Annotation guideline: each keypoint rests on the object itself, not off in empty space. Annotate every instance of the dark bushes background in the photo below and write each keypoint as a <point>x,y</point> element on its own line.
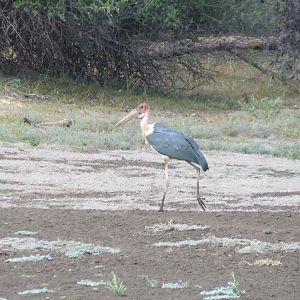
<point>108,40</point>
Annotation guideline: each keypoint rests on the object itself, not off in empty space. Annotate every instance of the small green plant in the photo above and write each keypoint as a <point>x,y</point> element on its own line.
<point>264,109</point>
<point>15,83</point>
<point>170,225</point>
<point>169,285</point>
<point>116,285</point>
<point>151,282</point>
<point>232,290</point>
<point>234,285</point>
<point>34,141</point>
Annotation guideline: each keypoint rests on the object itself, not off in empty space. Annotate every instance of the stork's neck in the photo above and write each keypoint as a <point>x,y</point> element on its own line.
<point>145,120</point>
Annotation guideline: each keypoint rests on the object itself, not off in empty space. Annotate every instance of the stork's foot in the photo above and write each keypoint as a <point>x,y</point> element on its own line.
<point>161,208</point>
<point>201,202</point>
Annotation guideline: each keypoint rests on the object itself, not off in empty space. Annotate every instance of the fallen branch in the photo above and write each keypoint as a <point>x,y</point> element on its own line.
<point>62,123</point>
<point>204,44</point>
<point>37,96</point>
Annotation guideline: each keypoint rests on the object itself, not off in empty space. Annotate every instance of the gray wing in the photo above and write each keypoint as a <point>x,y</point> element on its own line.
<point>176,145</point>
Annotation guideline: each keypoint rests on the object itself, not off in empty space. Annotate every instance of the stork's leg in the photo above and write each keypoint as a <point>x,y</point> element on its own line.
<point>166,186</point>
<point>199,199</point>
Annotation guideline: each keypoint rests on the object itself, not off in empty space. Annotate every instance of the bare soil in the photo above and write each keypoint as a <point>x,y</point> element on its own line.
<point>107,198</point>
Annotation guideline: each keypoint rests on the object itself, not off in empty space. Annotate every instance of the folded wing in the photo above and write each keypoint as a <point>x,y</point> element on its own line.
<point>176,145</point>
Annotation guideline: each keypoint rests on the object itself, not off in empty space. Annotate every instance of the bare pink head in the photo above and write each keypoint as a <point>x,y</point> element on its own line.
<point>143,109</point>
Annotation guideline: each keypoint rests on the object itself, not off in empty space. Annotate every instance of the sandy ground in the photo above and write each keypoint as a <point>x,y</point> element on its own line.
<point>107,198</point>
<point>44,177</point>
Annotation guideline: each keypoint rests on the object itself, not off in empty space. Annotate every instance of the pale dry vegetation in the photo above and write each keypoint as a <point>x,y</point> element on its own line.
<point>233,113</point>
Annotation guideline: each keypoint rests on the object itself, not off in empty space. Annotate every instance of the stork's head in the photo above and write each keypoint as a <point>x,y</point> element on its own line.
<point>143,108</point>
<point>139,112</point>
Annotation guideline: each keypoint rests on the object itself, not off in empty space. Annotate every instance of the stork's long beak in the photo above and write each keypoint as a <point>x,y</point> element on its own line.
<point>134,113</point>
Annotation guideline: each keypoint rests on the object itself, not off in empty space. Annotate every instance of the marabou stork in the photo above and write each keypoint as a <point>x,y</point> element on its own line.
<point>171,144</point>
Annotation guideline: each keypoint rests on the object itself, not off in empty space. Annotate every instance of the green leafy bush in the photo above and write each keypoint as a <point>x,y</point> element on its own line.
<point>116,285</point>
<point>265,109</point>
<point>112,41</point>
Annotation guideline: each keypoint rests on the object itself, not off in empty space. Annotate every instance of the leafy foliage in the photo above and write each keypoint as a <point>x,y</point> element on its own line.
<point>265,109</point>
<point>224,15</point>
<point>109,41</point>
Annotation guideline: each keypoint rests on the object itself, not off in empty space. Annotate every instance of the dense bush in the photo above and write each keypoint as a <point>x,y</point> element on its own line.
<point>109,40</point>
<point>147,16</point>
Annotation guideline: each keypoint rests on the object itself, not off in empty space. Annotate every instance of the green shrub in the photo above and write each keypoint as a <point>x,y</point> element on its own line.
<point>116,285</point>
<point>264,109</point>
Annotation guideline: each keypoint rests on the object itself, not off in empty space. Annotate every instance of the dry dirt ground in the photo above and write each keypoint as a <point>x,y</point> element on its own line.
<point>110,199</point>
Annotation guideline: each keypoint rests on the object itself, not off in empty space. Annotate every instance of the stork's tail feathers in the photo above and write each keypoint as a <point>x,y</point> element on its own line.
<point>201,160</point>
